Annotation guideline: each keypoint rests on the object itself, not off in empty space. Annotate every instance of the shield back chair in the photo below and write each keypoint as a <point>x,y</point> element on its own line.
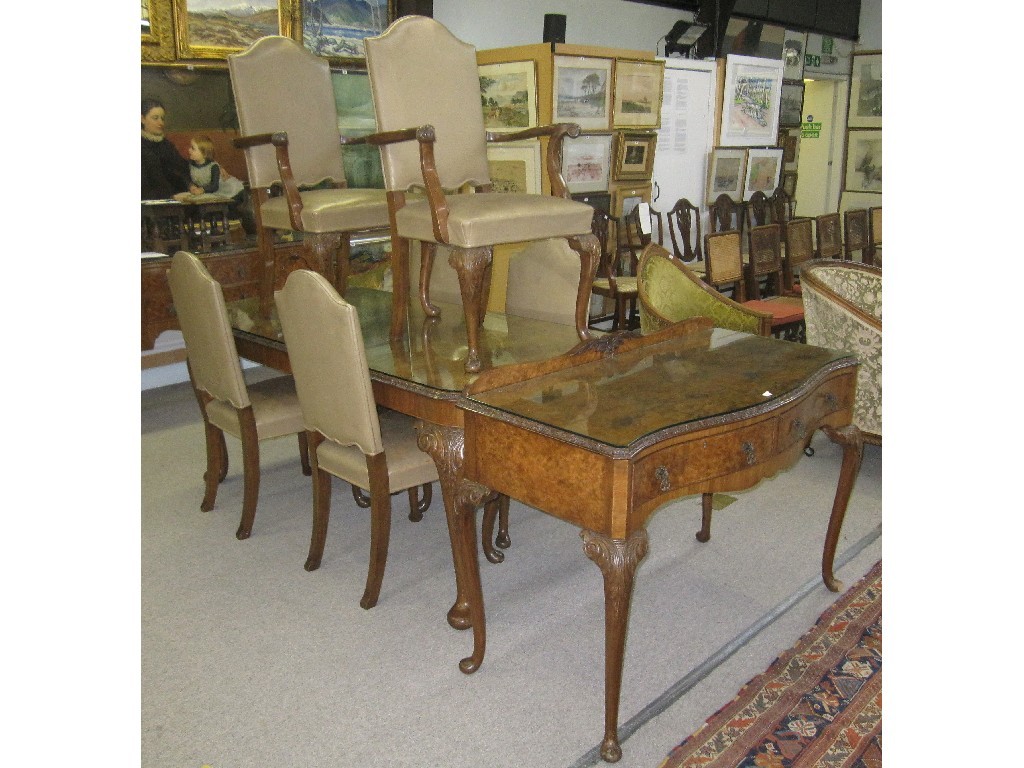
<point>766,263</point>
<point>759,210</point>
<point>843,301</point>
<point>856,238</point>
<point>251,413</point>
<point>426,95</point>
<point>723,263</point>
<point>289,124</point>
<point>799,248</point>
<point>613,280</point>
<point>829,237</point>
<point>875,235</point>
<point>348,437</point>
<point>725,214</point>
<point>684,231</point>
<point>783,205</point>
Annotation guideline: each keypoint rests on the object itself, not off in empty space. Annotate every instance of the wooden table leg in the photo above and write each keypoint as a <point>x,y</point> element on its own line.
<point>471,264</point>
<point>852,442</point>
<point>617,559</point>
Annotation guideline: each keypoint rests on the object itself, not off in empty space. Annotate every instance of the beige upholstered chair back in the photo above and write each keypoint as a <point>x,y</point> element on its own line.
<point>328,360</point>
<point>203,317</point>
<point>421,74</point>
<point>723,254</point>
<point>280,86</point>
<point>799,241</point>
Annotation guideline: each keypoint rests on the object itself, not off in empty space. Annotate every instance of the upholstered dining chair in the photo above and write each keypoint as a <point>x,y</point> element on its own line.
<point>856,235</point>
<point>250,413</point>
<point>874,252</point>
<point>843,310</point>
<point>348,437</point>
<point>426,95</point>
<point>829,236</point>
<point>289,124</point>
<point>615,281</point>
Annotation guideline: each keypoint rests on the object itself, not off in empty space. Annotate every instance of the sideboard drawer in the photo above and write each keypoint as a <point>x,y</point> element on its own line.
<point>796,424</point>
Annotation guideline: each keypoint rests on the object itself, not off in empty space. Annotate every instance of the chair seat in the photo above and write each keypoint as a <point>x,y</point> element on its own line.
<point>625,285</point>
<point>783,309</point>
<point>275,407</point>
<point>408,466</point>
<point>331,210</point>
<point>492,218</point>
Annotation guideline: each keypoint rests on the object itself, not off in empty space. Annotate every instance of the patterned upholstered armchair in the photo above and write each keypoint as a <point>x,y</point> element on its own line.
<point>669,292</point>
<point>843,310</point>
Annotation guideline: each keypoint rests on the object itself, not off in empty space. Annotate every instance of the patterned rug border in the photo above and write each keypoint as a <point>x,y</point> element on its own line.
<point>839,725</point>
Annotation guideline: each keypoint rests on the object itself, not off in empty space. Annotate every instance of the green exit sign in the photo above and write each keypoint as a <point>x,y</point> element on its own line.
<point>812,60</point>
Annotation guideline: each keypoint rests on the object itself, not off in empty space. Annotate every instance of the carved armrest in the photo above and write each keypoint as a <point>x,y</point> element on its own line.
<point>279,140</point>
<point>556,133</point>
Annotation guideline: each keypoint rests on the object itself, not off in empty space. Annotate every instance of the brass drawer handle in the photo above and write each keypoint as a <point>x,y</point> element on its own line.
<point>661,475</point>
<point>748,450</point>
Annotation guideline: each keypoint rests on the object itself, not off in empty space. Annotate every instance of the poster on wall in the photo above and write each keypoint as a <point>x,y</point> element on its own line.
<point>750,103</point>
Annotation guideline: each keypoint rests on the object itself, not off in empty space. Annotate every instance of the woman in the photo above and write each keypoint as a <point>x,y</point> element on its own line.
<point>164,171</point>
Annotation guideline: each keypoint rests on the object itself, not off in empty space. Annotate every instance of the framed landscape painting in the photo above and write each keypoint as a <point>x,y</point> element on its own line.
<point>764,170</point>
<point>586,162</point>
<point>508,95</point>
<point>866,91</point>
<point>726,173</point>
<point>582,90</point>
<point>864,161</point>
<point>638,87</point>
<point>335,30</point>
<point>750,103</point>
<point>515,167</point>
<point>212,29</point>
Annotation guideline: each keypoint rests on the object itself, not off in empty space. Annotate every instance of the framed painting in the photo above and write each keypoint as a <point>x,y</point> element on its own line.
<point>515,166</point>
<point>794,46</point>
<point>725,176</point>
<point>508,95</point>
<point>638,89</point>
<point>863,161</point>
<point>634,155</point>
<point>790,143</point>
<point>764,171</point>
<point>750,102</point>
<point>791,105</point>
<point>627,197</point>
<point>336,30</point>
<point>586,162</point>
<point>212,29</point>
<point>157,31</point>
<point>789,183</point>
<point>866,91</point>
<point>582,88</point>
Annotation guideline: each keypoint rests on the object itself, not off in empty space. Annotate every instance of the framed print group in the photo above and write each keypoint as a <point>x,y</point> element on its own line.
<point>582,92</point>
<point>864,161</point>
<point>634,155</point>
<point>638,87</point>
<point>726,172</point>
<point>866,91</point>
<point>750,103</point>
<point>338,38</point>
<point>515,166</point>
<point>586,162</point>
<point>209,29</point>
<point>508,93</point>
<point>764,171</point>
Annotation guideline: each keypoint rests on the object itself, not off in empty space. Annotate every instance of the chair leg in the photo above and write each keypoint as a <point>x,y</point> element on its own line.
<point>380,527</point>
<point>495,508</point>
<point>427,253</point>
<point>320,250</point>
<point>250,470</point>
<point>589,249</point>
<point>704,534</point>
<point>471,264</point>
<point>503,540</point>
<point>304,454</point>
<point>216,464</point>
<point>321,507</point>
<point>362,499</point>
<point>418,506</point>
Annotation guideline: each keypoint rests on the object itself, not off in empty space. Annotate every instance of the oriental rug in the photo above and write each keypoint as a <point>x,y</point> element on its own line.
<point>819,704</point>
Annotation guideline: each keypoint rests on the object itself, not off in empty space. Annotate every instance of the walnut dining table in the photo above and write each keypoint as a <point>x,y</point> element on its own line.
<point>599,433</point>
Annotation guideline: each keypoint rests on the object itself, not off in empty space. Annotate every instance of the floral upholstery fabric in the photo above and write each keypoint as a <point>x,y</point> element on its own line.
<point>835,326</point>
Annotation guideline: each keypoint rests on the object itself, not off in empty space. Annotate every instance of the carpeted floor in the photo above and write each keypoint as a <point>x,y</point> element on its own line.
<point>819,704</point>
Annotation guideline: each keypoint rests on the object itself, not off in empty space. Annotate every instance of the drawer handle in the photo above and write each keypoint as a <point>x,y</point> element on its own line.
<point>751,454</point>
<point>661,474</point>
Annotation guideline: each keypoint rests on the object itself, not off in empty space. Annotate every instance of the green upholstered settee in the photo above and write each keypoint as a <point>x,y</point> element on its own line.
<point>843,310</point>
<point>667,292</point>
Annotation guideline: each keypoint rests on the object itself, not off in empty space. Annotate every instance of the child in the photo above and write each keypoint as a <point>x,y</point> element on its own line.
<point>207,175</point>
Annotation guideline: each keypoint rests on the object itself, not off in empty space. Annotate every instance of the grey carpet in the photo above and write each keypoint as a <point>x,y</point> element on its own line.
<point>250,661</point>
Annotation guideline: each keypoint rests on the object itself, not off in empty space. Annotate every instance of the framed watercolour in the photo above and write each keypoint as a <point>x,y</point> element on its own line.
<point>157,31</point>
<point>515,166</point>
<point>750,102</point>
<point>726,173</point>
<point>864,161</point>
<point>791,105</point>
<point>789,183</point>
<point>764,171</point>
<point>582,90</point>
<point>586,162</point>
<point>634,155</point>
<point>212,29</point>
<point>638,87</point>
<point>794,46</point>
<point>866,91</point>
<point>508,93</point>
<point>336,31</point>
<point>627,197</point>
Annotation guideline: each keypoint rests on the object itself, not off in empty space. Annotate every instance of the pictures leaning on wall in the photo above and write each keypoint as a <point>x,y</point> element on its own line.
<point>725,176</point>
<point>586,162</point>
<point>764,171</point>
<point>508,95</point>
<point>866,91</point>
<point>582,92</point>
<point>863,161</point>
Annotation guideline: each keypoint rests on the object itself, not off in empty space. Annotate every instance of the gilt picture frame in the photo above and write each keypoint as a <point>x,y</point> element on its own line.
<point>634,155</point>
<point>725,172</point>
<point>340,39</point>
<point>586,162</point>
<point>212,29</point>
<point>508,95</point>
<point>637,94</point>
<point>764,171</point>
<point>582,91</point>
<point>157,31</point>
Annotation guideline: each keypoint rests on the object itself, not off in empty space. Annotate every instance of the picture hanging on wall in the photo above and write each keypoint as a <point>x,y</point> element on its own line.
<point>638,87</point>
<point>726,173</point>
<point>336,31</point>
<point>515,167</point>
<point>866,91</point>
<point>634,155</point>
<point>764,170</point>
<point>586,162</point>
<point>794,46</point>
<point>157,32</point>
<point>750,103</point>
<point>791,106</point>
<point>508,93</point>
<point>211,29</point>
<point>582,90</point>
<point>864,161</point>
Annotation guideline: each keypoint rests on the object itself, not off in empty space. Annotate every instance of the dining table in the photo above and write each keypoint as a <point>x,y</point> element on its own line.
<point>599,433</point>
